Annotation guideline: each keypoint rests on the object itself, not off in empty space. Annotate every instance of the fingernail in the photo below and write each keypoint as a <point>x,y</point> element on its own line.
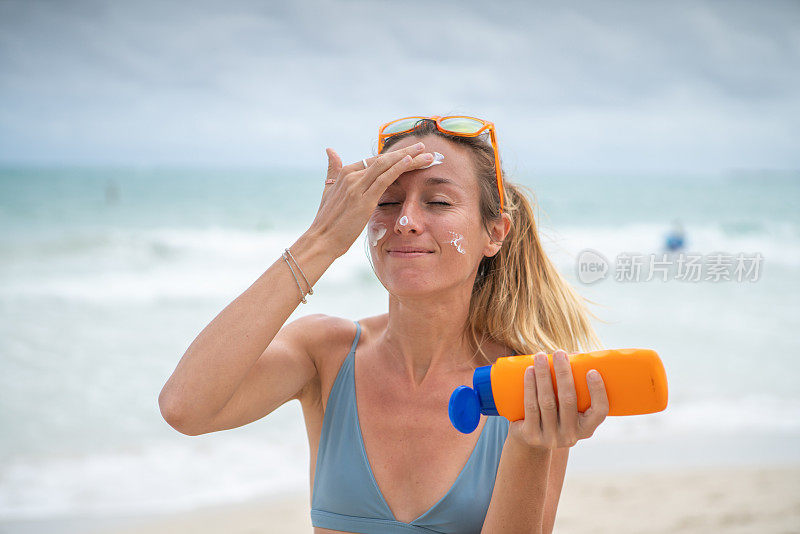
<point>594,375</point>
<point>540,358</point>
<point>418,146</point>
<point>437,160</point>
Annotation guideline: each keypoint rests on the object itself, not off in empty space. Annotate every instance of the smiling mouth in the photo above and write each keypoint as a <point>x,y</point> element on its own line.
<point>401,254</point>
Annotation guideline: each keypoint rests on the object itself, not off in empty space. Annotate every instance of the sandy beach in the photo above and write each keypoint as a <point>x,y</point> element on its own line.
<point>731,500</point>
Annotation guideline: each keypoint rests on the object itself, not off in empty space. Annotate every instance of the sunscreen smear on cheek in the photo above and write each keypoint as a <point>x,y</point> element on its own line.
<point>375,232</point>
<point>457,240</point>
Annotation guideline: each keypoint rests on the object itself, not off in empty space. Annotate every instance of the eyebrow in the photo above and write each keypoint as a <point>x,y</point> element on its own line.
<point>437,180</point>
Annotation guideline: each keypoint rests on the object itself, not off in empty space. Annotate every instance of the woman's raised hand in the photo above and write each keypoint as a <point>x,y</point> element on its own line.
<point>550,424</point>
<point>348,202</point>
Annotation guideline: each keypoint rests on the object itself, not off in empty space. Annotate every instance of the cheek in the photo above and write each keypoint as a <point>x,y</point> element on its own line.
<point>375,231</point>
<point>457,241</point>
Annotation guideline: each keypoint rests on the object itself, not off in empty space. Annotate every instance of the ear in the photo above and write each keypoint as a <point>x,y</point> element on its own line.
<point>498,230</point>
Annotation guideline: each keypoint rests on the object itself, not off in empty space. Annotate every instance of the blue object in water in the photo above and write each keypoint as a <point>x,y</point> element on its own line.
<point>674,242</point>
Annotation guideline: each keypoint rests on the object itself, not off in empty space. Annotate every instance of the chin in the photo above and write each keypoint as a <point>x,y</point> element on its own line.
<point>409,284</point>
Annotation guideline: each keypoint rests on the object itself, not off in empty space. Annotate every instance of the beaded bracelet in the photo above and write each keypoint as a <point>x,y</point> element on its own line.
<point>310,289</point>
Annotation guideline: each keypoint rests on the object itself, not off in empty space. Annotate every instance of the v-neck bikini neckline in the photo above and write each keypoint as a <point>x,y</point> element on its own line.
<point>369,466</point>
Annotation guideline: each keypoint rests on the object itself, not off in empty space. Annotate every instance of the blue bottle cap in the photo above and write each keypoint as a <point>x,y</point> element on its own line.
<point>482,382</point>
<point>464,409</point>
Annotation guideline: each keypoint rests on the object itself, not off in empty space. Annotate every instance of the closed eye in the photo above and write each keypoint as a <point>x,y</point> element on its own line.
<point>381,204</point>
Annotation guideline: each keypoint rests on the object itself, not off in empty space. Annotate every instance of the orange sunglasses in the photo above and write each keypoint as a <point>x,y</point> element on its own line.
<point>454,125</point>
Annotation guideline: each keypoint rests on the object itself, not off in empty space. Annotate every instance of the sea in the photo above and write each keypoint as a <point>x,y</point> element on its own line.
<point>108,274</point>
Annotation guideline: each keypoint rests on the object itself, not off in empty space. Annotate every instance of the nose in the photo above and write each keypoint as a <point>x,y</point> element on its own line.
<point>408,220</point>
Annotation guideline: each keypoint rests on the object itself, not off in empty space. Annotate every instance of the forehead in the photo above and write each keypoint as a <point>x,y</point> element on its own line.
<point>455,172</point>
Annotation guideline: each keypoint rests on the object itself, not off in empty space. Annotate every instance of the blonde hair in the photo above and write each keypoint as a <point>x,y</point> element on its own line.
<point>519,298</point>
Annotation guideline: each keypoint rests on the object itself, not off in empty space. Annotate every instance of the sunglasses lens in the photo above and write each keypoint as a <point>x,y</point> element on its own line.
<point>461,125</point>
<point>401,126</point>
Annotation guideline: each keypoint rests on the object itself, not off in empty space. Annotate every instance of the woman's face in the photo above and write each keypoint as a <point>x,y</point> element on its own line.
<point>434,210</point>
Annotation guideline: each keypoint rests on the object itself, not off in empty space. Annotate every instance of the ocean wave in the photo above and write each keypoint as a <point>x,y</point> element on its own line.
<point>154,477</point>
<point>182,473</point>
<point>778,243</point>
<point>749,413</point>
<point>112,264</point>
<point>147,265</point>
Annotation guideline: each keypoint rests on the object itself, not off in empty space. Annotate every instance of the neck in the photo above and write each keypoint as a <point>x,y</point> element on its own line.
<point>426,334</point>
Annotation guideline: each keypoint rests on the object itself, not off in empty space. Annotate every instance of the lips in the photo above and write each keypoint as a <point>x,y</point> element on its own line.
<point>409,250</point>
<point>398,254</point>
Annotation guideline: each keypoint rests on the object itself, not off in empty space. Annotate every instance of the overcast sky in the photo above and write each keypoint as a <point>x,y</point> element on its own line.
<point>571,86</point>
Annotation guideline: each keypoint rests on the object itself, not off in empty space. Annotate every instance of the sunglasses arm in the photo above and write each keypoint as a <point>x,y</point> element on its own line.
<point>497,167</point>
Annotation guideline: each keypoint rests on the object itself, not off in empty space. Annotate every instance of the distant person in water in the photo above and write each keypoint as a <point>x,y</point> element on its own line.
<point>112,192</point>
<point>676,237</point>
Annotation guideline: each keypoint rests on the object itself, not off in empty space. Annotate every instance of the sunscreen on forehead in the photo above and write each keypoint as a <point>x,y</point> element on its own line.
<point>437,160</point>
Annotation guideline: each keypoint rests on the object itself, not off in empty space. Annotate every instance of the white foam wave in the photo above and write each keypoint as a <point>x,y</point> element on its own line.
<point>159,476</point>
<point>751,413</point>
<point>189,472</point>
<point>779,244</point>
<point>147,265</point>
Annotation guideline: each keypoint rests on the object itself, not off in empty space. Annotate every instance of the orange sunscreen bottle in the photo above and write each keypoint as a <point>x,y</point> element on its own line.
<point>634,379</point>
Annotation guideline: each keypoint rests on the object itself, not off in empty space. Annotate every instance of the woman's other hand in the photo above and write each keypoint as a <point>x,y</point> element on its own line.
<point>550,424</point>
<point>352,192</point>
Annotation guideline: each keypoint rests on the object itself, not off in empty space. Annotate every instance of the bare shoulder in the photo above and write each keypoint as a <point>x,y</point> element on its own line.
<point>322,333</point>
<point>326,340</point>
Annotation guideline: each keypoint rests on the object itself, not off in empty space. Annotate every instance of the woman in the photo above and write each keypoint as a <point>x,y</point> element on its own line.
<point>477,287</point>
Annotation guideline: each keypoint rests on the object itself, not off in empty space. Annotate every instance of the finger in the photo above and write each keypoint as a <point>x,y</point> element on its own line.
<point>391,156</point>
<point>547,398</point>
<point>376,186</point>
<point>383,181</point>
<point>334,163</point>
<point>567,397</point>
<point>420,161</point>
<point>532,421</point>
<point>589,420</point>
<point>378,164</point>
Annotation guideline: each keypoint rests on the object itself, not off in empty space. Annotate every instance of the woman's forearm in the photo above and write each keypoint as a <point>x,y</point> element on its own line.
<point>520,488</point>
<point>220,357</point>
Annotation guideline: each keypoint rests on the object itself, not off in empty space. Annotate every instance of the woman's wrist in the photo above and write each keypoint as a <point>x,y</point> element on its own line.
<point>311,257</point>
<point>320,243</point>
<point>313,245</point>
<point>520,444</point>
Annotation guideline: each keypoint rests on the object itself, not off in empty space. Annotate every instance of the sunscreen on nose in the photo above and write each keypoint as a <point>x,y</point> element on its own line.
<point>634,379</point>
